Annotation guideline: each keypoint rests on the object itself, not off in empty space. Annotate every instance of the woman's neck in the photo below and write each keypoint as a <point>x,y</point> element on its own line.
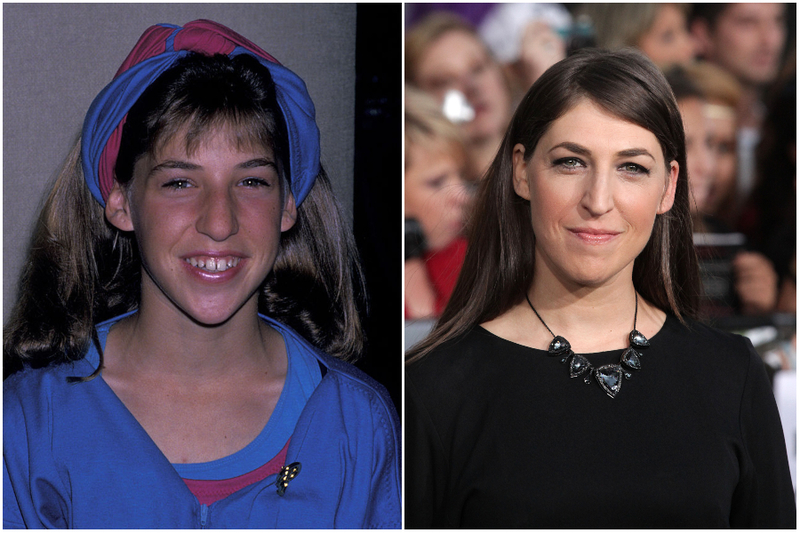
<point>587,316</point>
<point>592,319</point>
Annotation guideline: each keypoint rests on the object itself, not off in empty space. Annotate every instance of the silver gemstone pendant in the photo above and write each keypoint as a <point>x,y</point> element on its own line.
<point>578,366</point>
<point>638,339</point>
<point>558,346</point>
<point>610,378</point>
<point>630,358</point>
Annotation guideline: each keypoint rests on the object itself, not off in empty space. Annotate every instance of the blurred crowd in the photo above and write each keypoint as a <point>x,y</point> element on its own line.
<point>732,69</point>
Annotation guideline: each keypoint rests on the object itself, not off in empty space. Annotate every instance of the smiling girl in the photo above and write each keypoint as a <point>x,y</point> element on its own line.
<point>566,384</point>
<point>189,272</point>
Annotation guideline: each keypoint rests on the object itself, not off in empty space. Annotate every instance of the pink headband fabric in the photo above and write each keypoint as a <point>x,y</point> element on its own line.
<point>156,51</point>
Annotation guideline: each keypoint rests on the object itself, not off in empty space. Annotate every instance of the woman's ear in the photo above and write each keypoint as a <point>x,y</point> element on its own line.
<point>118,210</point>
<point>521,185</point>
<point>289,216</point>
<point>668,198</point>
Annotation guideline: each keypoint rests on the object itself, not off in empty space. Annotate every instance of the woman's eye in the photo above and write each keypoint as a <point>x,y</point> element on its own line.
<point>568,163</point>
<point>633,168</point>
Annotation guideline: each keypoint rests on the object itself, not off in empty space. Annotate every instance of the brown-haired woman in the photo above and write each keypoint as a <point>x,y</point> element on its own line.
<point>580,264</point>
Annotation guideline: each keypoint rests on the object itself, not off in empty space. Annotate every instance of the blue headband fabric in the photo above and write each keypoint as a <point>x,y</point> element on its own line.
<point>155,53</point>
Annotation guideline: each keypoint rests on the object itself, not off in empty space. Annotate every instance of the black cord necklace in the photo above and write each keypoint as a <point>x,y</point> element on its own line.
<point>608,376</point>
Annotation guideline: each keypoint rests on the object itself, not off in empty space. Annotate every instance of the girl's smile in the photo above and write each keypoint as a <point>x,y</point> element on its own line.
<point>208,223</point>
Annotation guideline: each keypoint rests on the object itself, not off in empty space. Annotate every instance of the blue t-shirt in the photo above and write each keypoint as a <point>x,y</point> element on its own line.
<point>302,377</point>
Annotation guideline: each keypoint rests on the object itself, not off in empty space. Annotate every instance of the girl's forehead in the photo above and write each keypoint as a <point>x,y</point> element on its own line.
<point>188,138</point>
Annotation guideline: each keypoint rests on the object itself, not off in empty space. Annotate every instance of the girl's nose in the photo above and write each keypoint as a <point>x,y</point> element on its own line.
<point>217,217</point>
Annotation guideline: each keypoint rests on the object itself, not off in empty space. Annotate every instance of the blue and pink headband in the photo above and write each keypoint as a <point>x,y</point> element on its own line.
<point>157,50</point>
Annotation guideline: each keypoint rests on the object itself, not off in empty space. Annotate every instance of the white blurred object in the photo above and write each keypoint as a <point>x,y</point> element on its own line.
<point>456,107</point>
<point>785,388</point>
<point>762,335</point>
<point>416,330</point>
<point>504,26</point>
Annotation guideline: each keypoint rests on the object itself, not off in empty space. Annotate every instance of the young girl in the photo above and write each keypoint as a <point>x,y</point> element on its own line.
<point>169,353</point>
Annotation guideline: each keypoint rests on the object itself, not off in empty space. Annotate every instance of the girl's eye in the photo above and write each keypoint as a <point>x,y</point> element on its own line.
<point>255,182</point>
<point>177,184</point>
<point>633,168</point>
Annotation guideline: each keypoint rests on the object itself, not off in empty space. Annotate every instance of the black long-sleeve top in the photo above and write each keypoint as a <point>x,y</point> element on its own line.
<point>499,436</point>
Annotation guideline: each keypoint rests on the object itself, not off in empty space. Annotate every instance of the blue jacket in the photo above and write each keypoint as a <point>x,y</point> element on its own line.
<point>74,456</point>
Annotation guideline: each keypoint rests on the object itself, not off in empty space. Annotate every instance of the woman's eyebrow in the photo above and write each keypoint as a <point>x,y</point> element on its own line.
<point>633,152</point>
<point>581,150</point>
<point>572,147</point>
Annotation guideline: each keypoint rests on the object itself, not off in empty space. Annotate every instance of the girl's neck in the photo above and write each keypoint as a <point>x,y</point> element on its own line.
<point>164,340</point>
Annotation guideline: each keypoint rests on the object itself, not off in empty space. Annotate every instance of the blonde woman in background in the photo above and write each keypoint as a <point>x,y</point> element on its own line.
<point>436,197</point>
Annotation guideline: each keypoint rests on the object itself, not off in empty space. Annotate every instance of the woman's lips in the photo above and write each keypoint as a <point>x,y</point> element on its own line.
<point>593,236</point>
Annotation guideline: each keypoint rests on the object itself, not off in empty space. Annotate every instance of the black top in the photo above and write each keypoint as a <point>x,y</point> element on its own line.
<point>499,436</point>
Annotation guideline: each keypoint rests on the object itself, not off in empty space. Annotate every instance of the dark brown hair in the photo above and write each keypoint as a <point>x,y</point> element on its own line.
<point>80,270</point>
<point>498,267</point>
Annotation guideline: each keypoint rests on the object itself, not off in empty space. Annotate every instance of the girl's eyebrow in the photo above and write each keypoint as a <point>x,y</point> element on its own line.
<point>185,165</point>
<point>257,162</point>
<point>173,164</point>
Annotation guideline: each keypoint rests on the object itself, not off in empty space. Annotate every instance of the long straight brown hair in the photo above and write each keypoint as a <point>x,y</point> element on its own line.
<point>498,267</point>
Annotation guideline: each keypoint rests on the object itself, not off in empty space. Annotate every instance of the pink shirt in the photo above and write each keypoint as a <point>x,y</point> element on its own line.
<point>209,491</point>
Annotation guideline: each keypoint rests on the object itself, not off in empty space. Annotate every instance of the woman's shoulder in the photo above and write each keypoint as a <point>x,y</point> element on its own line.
<point>698,335</point>
<point>469,361</point>
<point>469,347</point>
<point>708,350</point>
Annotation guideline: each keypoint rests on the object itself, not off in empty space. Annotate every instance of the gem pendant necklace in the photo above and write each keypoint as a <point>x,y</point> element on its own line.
<point>608,376</point>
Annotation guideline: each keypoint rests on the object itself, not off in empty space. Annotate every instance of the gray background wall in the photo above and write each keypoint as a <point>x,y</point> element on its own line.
<point>57,57</point>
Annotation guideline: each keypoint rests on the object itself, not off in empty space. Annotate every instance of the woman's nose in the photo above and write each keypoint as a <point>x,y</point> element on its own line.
<point>217,217</point>
<point>598,197</point>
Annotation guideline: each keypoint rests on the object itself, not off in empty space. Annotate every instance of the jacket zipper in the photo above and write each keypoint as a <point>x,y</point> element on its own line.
<point>203,515</point>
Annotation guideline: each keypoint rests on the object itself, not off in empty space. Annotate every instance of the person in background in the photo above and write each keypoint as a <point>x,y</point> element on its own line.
<point>443,53</point>
<point>527,39</point>
<point>753,275</point>
<point>658,30</point>
<point>747,40</point>
<point>769,217</point>
<point>436,199</point>
<point>722,93</point>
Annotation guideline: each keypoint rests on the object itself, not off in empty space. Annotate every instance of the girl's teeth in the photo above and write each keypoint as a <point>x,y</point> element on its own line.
<point>213,264</point>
